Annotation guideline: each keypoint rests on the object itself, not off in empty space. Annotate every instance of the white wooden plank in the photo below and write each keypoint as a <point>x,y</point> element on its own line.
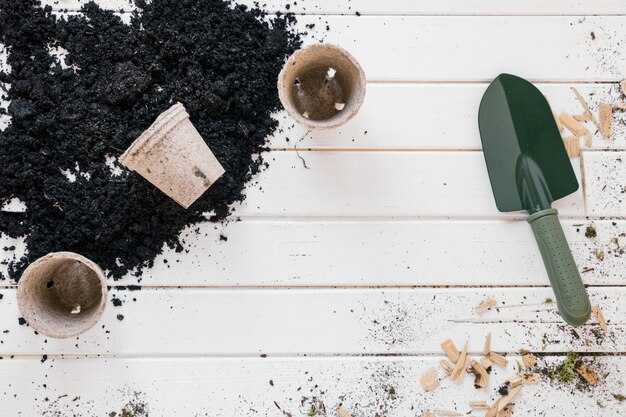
<point>184,387</point>
<point>374,253</point>
<point>406,7</point>
<point>605,178</point>
<point>278,322</point>
<point>452,49</point>
<point>412,116</point>
<point>379,184</point>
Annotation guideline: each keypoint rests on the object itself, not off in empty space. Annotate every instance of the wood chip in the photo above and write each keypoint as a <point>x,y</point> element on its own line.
<point>577,128</point>
<point>479,405</point>
<point>572,146</point>
<point>606,116</point>
<point>558,122</point>
<point>485,305</point>
<point>589,374</point>
<point>583,117</point>
<point>498,359</point>
<point>529,360</point>
<point>342,412</point>
<point>531,378</point>
<point>482,377</point>
<point>515,382</point>
<point>445,413</point>
<point>429,380</point>
<point>619,106</point>
<point>459,370</point>
<point>623,85</point>
<point>496,409</point>
<point>446,366</point>
<point>487,347</point>
<point>486,362</point>
<point>600,317</point>
<point>585,107</point>
<point>451,351</point>
<point>506,411</point>
<point>428,414</point>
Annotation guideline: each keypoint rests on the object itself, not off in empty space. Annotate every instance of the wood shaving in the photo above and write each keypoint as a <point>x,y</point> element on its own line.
<point>531,378</point>
<point>558,122</point>
<point>479,405</point>
<point>577,128</point>
<point>451,351</point>
<point>487,346</point>
<point>586,107</point>
<point>446,366</point>
<point>459,370</point>
<point>485,305</point>
<point>429,380</point>
<point>486,362</point>
<point>600,317</point>
<point>572,146</point>
<point>606,116</point>
<point>342,412</point>
<point>444,413</point>
<point>498,359</point>
<point>482,377</point>
<point>589,374</point>
<point>529,360</point>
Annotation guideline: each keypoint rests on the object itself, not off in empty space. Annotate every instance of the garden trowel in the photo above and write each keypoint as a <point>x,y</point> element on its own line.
<point>529,169</point>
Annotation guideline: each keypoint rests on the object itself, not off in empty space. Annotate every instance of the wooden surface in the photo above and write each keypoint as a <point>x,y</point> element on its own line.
<point>361,249</point>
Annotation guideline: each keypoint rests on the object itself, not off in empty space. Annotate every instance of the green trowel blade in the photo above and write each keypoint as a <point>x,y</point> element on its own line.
<point>526,159</point>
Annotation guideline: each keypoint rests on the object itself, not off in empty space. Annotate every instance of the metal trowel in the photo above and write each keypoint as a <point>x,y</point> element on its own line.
<point>529,169</point>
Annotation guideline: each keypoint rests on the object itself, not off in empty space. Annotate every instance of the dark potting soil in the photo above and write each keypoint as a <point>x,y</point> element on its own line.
<point>221,61</point>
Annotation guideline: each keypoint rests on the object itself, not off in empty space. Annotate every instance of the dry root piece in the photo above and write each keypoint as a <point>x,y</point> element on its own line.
<point>458,373</point>
<point>498,359</point>
<point>600,317</point>
<point>577,128</point>
<point>529,360</point>
<point>485,305</point>
<point>451,351</point>
<point>487,346</point>
<point>478,405</point>
<point>606,116</point>
<point>589,374</point>
<point>429,380</point>
<point>572,146</point>
<point>531,378</point>
<point>482,377</point>
<point>587,112</point>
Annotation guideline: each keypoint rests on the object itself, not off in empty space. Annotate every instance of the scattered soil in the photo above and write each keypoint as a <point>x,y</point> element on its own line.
<point>72,118</point>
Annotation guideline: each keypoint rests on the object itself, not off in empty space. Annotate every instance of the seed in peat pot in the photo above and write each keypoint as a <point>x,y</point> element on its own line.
<point>126,77</point>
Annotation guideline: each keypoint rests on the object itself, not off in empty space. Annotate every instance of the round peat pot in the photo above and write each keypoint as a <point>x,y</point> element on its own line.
<point>62,294</point>
<point>321,86</point>
<point>172,155</point>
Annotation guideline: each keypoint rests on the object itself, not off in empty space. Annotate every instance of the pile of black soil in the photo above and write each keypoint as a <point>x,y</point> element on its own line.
<point>220,60</point>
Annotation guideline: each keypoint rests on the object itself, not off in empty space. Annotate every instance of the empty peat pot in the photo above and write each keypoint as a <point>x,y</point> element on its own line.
<point>321,86</point>
<point>62,294</point>
<point>172,155</point>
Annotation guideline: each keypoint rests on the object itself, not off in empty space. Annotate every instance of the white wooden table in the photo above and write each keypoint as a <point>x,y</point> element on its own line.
<point>342,279</point>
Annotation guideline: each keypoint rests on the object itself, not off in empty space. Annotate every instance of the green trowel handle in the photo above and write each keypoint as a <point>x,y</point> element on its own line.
<point>568,287</point>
